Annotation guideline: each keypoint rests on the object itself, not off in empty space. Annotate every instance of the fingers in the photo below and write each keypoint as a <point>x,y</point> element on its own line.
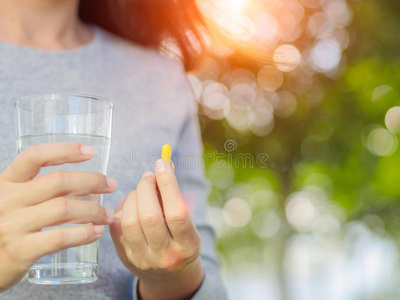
<point>177,214</point>
<point>50,241</point>
<point>116,233</point>
<point>150,214</point>
<point>60,183</point>
<point>130,224</point>
<point>27,164</point>
<point>62,210</point>
<point>115,226</point>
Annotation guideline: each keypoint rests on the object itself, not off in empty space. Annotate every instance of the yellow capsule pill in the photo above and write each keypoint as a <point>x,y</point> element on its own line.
<point>166,153</point>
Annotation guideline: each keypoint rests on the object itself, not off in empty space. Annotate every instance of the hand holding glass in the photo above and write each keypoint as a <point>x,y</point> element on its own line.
<point>64,119</point>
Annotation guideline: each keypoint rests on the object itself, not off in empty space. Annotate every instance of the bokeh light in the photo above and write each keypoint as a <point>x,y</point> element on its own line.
<point>215,215</point>
<point>300,211</point>
<point>284,103</point>
<point>237,118</point>
<point>215,96</point>
<point>242,96</point>
<point>261,117</point>
<point>287,58</point>
<point>266,29</point>
<point>221,174</point>
<point>339,12</point>
<point>237,213</point>
<point>270,78</point>
<point>311,3</point>
<point>381,142</point>
<point>392,119</point>
<point>266,224</point>
<point>292,40</point>
<point>380,91</point>
<point>325,55</point>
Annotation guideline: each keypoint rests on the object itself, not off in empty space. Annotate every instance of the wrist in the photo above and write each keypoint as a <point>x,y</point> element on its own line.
<point>180,284</point>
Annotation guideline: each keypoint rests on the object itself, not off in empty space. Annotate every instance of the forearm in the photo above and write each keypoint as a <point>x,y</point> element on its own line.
<point>179,286</point>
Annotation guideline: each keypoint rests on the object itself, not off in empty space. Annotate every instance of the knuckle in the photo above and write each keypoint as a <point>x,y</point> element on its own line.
<point>179,216</point>
<point>150,220</point>
<point>61,207</point>
<point>166,182</point>
<point>58,178</point>
<point>10,197</point>
<point>175,262</point>
<point>12,250</point>
<point>129,224</point>
<point>10,245</point>
<point>144,266</point>
<point>88,233</point>
<point>172,262</point>
<point>129,254</point>
<point>6,228</point>
<point>32,153</point>
<point>59,239</point>
<point>195,248</point>
<point>159,246</point>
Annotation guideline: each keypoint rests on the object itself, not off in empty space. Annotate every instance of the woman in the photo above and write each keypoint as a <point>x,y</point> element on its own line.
<point>46,48</point>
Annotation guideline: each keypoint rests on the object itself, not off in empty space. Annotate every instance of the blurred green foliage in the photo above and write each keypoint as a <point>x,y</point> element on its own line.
<point>324,138</point>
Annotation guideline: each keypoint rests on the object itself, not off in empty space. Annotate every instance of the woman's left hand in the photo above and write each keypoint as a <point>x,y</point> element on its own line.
<point>156,239</point>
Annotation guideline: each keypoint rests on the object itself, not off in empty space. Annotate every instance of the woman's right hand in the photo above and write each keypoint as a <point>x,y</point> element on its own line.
<point>29,203</point>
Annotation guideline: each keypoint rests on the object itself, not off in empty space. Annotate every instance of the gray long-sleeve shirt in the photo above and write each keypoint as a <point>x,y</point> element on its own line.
<point>153,105</point>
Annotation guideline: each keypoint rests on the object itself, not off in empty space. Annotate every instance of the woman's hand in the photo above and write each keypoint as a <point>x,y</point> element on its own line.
<point>156,239</point>
<point>28,204</point>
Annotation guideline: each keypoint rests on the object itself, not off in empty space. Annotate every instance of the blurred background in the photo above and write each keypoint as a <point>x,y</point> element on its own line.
<point>300,114</point>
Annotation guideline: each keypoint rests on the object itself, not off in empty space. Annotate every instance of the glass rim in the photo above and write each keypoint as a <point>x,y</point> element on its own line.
<point>17,103</point>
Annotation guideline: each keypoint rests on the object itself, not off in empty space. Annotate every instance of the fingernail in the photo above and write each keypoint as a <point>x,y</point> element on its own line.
<point>110,215</point>
<point>99,229</point>
<point>111,182</point>
<point>87,150</point>
<point>160,166</point>
<point>147,174</point>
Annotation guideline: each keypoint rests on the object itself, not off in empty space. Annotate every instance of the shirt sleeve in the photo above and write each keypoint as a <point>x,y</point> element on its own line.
<point>189,169</point>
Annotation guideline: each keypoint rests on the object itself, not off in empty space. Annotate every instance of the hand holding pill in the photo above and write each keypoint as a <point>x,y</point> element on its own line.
<point>155,236</point>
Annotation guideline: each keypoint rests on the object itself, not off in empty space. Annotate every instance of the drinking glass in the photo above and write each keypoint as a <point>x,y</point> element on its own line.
<point>67,118</point>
